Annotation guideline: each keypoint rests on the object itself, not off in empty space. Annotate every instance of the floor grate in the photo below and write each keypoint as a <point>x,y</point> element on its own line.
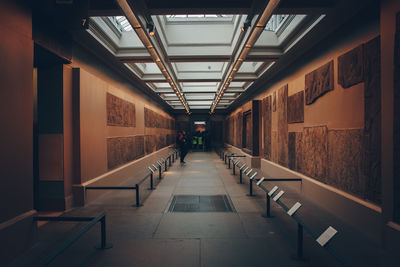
<point>201,203</point>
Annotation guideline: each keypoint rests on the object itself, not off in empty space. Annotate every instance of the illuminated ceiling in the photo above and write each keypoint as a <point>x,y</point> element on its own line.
<point>200,61</point>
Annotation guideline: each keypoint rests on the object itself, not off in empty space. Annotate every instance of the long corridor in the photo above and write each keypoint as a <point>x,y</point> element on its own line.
<point>152,235</point>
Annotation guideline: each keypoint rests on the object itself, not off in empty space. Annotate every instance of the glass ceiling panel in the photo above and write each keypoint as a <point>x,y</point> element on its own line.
<point>121,23</point>
<point>250,67</point>
<point>275,22</point>
<point>200,107</point>
<point>203,97</point>
<point>148,68</point>
<point>199,103</point>
<point>201,84</point>
<point>236,84</point>
<point>199,89</point>
<point>162,85</point>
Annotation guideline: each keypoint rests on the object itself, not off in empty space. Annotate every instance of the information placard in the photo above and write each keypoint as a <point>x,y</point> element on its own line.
<point>326,236</point>
<point>278,196</point>
<point>270,193</point>
<point>260,181</point>
<point>294,209</point>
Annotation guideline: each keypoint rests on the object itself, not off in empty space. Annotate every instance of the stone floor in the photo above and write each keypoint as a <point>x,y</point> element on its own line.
<point>152,236</point>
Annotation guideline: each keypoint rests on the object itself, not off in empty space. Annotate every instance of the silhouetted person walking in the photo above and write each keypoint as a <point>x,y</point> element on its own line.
<point>182,145</point>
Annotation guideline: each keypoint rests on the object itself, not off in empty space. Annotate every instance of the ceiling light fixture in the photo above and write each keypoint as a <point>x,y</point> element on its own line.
<point>251,40</point>
<point>145,39</point>
<point>246,25</point>
<point>150,28</point>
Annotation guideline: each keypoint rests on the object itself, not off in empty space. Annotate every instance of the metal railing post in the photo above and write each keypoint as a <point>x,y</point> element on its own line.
<point>234,169</point>
<point>165,166</point>
<point>250,188</point>
<point>151,181</point>
<point>241,177</point>
<point>229,162</point>
<point>159,172</point>
<point>267,206</point>
<point>103,233</point>
<point>137,196</point>
<point>299,241</point>
<point>169,161</point>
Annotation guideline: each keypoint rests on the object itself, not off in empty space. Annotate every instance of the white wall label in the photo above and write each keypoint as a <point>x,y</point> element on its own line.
<point>151,170</point>
<point>249,172</point>
<point>243,166</point>
<point>278,196</point>
<point>237,162</point>
<point>260,181</point>
<point>270,193</point>
<point>251,178</point>
<point>326,236</point>
<point>245,169</point>
<point>294,209</point>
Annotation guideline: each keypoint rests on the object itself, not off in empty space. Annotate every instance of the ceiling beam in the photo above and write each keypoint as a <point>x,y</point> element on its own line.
<point>255,32</point>
<point>139,27</point>
<point>135,59</point>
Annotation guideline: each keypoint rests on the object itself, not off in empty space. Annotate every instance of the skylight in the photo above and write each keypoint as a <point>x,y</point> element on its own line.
<point>275,22</point>
<point>121,23</point>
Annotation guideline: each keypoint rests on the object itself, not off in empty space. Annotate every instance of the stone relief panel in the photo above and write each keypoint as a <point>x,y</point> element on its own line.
<point>161,141</point>
<point>121,150</point>
<point>267,118</point>
<point>120,112</point>
<point>372,120</point>
<point>296,107</point>
<point>295,150</point>
<point>274,146</point>
<point>239,129</point>
<point>283,138</point>
<point>344,157</point>
<point>155,120</point>
<point>319,82</point>
<point>248,131</point>
<point>171,139</point>
<point>150,143</point>
<point>229,130</point>
<point>350,67</point>
<point>315,152</point>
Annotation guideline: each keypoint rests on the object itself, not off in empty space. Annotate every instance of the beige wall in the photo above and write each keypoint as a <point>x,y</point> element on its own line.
<point>337,109</point>
<point>92,84</point>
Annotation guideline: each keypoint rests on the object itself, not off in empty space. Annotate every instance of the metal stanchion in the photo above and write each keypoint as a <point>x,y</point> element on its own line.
<point>137,196</point>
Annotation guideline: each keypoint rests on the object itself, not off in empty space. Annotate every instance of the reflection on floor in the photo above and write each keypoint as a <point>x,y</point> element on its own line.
<point>151,235</point>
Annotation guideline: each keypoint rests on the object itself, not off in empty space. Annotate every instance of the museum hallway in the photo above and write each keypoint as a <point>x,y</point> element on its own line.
<point>290,111</point>
<point>195,235</point>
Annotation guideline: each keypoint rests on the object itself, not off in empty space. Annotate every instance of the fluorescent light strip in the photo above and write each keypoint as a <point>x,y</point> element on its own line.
<point>142,34</point>
<point>251,40</point>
